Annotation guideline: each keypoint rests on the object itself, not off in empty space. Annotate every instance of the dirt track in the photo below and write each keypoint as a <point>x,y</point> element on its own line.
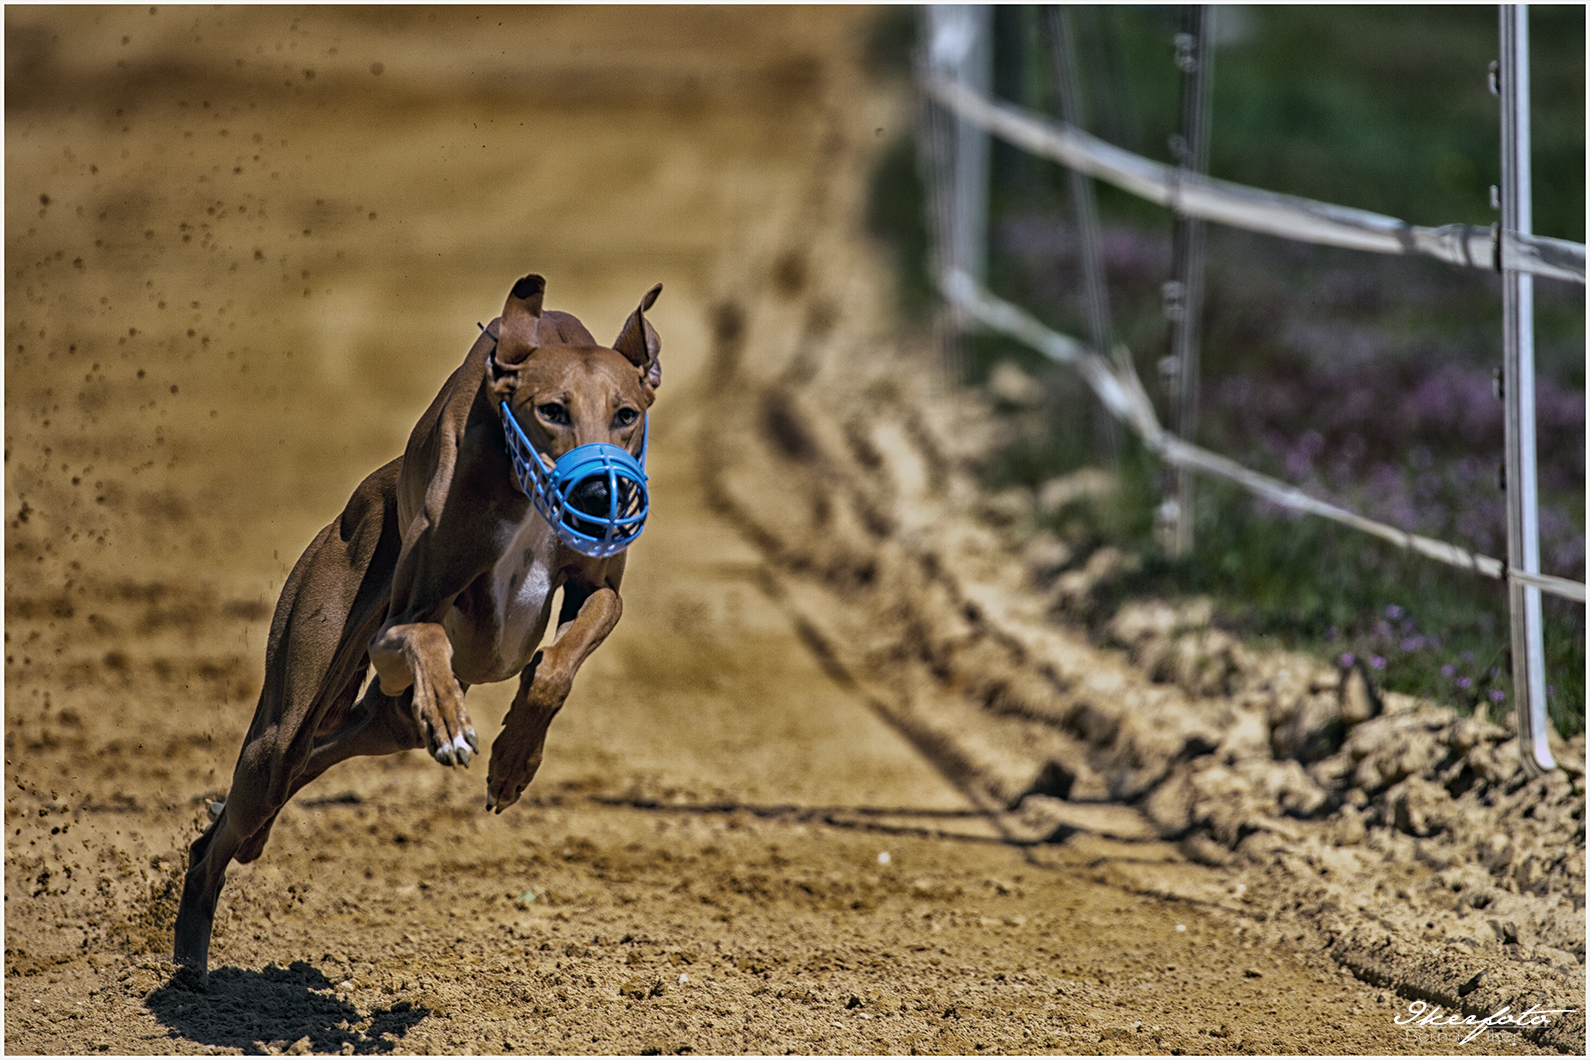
<point>243,251</point>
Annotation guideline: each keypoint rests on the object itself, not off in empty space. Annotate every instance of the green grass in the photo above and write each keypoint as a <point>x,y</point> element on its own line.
<point>1384,107</point>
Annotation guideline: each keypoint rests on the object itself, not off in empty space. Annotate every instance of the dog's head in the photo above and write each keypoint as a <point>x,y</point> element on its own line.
<point>569,393</point>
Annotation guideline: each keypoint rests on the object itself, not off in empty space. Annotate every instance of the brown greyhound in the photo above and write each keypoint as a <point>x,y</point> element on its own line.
<point>440,574</point>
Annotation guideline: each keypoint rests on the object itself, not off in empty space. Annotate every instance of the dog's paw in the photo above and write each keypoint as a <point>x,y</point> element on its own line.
<point>502,793</point>
<point>459,750</point>
<point>449,736</point>
<point>496,805</point>
<point>506,782</point>
<point>517,750</point>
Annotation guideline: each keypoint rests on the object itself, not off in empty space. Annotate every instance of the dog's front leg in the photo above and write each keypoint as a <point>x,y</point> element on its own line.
<point>543,686</point>
<point>419,654</point>
<point>438,560</point>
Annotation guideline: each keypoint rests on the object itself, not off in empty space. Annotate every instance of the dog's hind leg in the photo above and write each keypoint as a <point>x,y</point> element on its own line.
<point>264,780</point>
<point>315,660</point>
<point>379,725</point>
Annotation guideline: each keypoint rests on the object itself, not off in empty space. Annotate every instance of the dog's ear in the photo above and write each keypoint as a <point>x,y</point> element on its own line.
<point>520,333</point>
<point>640,343</point>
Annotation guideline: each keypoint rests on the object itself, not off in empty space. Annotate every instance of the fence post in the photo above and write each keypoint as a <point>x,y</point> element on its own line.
<point>1184,296</point>
<point>959,48</point>
<point>1518,381</point>
<point>1062,55</point>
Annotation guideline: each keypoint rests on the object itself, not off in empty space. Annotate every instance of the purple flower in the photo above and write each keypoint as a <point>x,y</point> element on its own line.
<point>1568,556</point>
<point>1465,683</point>
<point>1393,612</point>
<point>1377,662</point>
<point>1498,696</point>
<point>1412,643</point>
<point>1448,670</point>
<point>1346,659</point>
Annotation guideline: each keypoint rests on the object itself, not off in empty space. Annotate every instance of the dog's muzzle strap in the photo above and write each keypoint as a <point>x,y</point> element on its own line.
<point>594,497</point>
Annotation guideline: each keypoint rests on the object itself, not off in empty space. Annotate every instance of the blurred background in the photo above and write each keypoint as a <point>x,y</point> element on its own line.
<point>247,245</point>
<point>1363,379</point>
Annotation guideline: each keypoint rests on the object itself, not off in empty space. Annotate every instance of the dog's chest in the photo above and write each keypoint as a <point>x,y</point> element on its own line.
<point>519,588</point>
<point>522,578</point>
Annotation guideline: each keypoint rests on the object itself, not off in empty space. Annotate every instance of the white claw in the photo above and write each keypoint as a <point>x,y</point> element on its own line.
<point>462,752</point>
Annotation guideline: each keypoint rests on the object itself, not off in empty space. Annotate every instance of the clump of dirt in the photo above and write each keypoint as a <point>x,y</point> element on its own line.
<point>1407,839</point>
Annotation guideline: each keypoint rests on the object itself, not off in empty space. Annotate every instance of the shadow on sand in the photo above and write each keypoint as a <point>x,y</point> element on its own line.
<point>273,1008</point>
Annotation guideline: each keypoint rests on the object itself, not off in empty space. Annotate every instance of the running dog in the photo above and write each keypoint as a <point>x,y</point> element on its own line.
<point>525,475</point>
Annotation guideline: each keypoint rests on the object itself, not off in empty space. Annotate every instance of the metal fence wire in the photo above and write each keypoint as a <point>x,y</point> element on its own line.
<point>954,73</point>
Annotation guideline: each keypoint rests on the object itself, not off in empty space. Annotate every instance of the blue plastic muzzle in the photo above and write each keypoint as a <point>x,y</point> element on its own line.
<point>594,497</point>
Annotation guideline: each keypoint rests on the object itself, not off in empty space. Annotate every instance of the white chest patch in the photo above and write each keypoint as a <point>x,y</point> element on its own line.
<point>521,584</point>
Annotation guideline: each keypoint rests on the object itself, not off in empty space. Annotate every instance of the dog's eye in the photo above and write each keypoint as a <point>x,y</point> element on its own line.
<point>626,417</point>
<point>552,412</point>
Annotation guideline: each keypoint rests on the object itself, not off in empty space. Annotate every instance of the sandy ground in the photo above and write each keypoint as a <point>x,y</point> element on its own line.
<point>243,249</point>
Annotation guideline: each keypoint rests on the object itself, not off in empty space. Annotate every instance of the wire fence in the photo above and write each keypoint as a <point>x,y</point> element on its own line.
<point>954,77</point>
<point>1254,209</point>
